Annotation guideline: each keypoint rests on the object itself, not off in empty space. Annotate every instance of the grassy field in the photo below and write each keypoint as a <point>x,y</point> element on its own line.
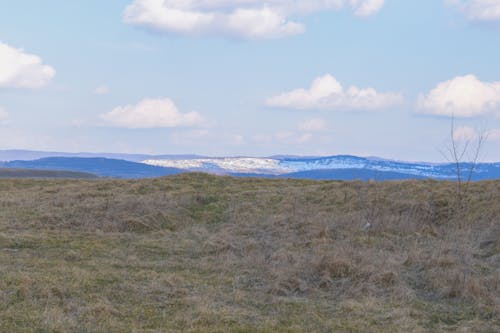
<point>200,253</point>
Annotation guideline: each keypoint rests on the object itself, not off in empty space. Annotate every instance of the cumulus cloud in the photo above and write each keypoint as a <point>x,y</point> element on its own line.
<point>152,113</point>
<point>366,7</point>
<point>249,19</point>
<point>19,69</point>
<point>478,10</point>
<point>326,93</point>
<point>463,96</point>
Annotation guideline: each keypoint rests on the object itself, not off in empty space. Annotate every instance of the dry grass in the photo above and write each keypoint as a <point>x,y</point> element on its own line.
<point>202,253</point>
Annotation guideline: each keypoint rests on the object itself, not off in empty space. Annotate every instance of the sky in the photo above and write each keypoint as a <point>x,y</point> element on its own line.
<point>251,78</point>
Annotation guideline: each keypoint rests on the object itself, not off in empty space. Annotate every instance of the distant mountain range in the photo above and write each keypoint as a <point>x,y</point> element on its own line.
<point>103,167</point>
<point>331,167</point>
<point>342,167</point>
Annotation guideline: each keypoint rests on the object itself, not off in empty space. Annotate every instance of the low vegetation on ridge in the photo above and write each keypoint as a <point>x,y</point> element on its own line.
<point>201,253</point>
<point>30,173</point>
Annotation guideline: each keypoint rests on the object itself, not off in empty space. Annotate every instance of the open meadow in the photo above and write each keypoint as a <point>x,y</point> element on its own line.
<point>201,253</point>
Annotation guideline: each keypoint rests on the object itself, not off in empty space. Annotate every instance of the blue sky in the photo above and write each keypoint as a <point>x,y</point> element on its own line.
<point>250,77</point>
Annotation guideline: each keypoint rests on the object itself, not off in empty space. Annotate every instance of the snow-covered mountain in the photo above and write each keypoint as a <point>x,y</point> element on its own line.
<point>225,165</point>
<point>290,165</point>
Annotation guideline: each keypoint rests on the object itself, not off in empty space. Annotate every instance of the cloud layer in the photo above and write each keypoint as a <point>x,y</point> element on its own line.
<point>479,10</point>
<point>463,96</point>
<point>151,113</point>
<point>22,70</point>
<point>249,19</point>
<point>326,93</point>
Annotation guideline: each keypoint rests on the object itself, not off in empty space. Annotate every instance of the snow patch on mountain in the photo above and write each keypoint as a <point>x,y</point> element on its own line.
<point>229,164</point>
<point>292,164</point>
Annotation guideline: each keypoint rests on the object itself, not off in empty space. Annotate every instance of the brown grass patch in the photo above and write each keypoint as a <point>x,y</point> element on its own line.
<point>202,253</point>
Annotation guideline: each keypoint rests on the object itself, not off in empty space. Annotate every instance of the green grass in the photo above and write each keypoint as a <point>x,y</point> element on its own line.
<point>200,253</point>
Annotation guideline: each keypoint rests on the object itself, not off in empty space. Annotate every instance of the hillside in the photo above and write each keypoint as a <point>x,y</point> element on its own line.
<point>200,253</point>
<point>350,174</point>
<point>104,167</point>
<point>339,167</point>
<point>33,173</point>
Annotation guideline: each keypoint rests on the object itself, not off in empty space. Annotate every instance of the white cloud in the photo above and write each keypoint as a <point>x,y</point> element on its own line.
<point>366,7</point>
<point>102,90</point>
<point>468,134</point>
<point>478,10</point>
<point>250,19</point>
<point>464,133</point>
<point>152,113</point>
<point>326,93</point>
<point>463,96</point>
<point>22,70</point>
<point>313,125</point>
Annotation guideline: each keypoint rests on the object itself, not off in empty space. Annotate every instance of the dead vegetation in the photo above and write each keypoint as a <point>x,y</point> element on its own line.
<point>203,253</point>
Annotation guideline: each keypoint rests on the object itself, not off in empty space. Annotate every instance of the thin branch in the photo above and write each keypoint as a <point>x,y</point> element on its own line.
<point>455,157</point>
<point>480,141</point>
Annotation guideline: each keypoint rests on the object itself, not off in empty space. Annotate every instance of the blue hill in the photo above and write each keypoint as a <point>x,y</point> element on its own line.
<point>342,167</point>
<point>325,167</point>
<point>350,174</point>
<point>103,167</point>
